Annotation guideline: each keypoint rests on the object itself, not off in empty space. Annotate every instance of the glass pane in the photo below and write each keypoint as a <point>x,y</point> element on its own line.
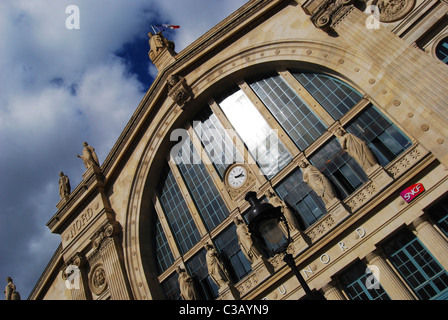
<point>361,284</point>
<point>384,139</point>
<point>176,210</point>
<point>216,140</point>
<point>164,257</point>
<point>417,266</point>
<point>261,140</point>
<point>197,268</point>
<point>333,95</point>
<point>296,118</point>
<point>345,174</point>
<point>299,196</point>
<point>442,50</point>
<point>202,189</point>
<point>227,244</point>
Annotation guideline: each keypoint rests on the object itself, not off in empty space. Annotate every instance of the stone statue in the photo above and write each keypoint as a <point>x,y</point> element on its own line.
<point>357,149</point>
<point>215,267</point>
<point>89,156</point>
<point>245,241</point>
<point>186,285</point>
<point>10,290</point>
<point>289,215</point>
<point>64,185</point>
<point>157,42</point>
<point>318,182</point>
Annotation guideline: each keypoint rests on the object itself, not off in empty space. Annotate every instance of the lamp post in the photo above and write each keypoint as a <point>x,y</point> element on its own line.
<point>263,220</point>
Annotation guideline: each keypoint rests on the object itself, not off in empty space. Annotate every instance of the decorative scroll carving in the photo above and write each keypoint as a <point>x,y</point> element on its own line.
<point>330,12</point>
<point>179,90</point>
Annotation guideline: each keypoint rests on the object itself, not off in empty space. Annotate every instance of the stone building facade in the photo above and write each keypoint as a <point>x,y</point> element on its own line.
<point>280,96</point>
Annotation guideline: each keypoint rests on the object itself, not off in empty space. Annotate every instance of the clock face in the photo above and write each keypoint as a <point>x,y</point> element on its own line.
<point>237,176</point>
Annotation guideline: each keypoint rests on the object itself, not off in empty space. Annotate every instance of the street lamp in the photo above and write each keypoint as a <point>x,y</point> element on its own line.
<point>263,219</point>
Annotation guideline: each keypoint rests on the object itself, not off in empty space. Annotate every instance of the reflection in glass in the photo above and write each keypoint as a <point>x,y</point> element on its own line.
<point>261,140</point>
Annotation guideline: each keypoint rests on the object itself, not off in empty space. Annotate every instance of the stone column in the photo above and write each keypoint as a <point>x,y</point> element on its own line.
<point>432,239</point>
<point>388,279</point>
<point>332,292</point>
<point>112,258</point>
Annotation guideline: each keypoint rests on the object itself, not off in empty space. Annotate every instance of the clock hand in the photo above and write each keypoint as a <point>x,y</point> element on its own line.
<point>240,175</point>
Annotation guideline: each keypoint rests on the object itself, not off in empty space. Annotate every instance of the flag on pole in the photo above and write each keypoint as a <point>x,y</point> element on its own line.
<point>164,27</point>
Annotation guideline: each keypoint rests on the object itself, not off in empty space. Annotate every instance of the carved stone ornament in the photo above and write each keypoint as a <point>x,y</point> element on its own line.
<point>329,13</point>
<point>157,43</point>
<point>393,10</point>
<point>97,279</point>
<point>179,90</point>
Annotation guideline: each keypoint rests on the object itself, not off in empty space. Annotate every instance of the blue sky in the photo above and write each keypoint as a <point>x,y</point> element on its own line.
<point>60,87</point>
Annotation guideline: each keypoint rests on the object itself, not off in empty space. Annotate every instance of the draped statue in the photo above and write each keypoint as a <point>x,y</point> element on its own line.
<point>215,267</point>
<point>64,185</point>
<point>357,149</point>
<point>186,285</point>
<point>10,290</point>
<point>318,182</point>
<point>245,241</point>
<point>89,156</point>
<point>289,215</point>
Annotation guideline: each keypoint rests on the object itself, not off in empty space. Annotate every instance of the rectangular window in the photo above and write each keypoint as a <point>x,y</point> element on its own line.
<point>299,196</point>
<point>360,284</point>
<point>171,287</point>
<point>417,266</point>
<point>261,140</point>
<point>216,141</point>
<point>384,139</point>
<point>176,211</point>
<point>332,94</point>
<point>296,118</point>
<point>197,268</point>
<point>202,189</point>
<point>345,174</point>
<point>227,244</point>
<point>439,215</point>
<point>164,257</point>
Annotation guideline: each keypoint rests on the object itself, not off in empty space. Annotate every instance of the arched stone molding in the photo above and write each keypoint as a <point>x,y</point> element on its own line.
<point>354,68</point>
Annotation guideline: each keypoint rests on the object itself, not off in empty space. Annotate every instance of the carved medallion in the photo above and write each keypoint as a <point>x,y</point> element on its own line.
<point>97,280</point>
<point>393,10</point>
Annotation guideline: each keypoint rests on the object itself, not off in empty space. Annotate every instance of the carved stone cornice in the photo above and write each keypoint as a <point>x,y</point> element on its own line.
<point>329,13</point>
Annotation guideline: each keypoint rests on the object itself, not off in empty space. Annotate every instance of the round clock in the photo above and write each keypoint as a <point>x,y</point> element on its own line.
<point>237,176</point>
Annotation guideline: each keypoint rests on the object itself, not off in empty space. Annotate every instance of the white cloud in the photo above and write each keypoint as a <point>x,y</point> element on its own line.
<point>61,87</point>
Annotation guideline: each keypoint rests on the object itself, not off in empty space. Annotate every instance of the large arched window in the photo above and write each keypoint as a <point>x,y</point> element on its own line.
<point>276,120</point>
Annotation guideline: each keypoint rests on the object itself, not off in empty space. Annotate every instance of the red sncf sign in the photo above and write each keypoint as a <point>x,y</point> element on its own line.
<point>411,192</point>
